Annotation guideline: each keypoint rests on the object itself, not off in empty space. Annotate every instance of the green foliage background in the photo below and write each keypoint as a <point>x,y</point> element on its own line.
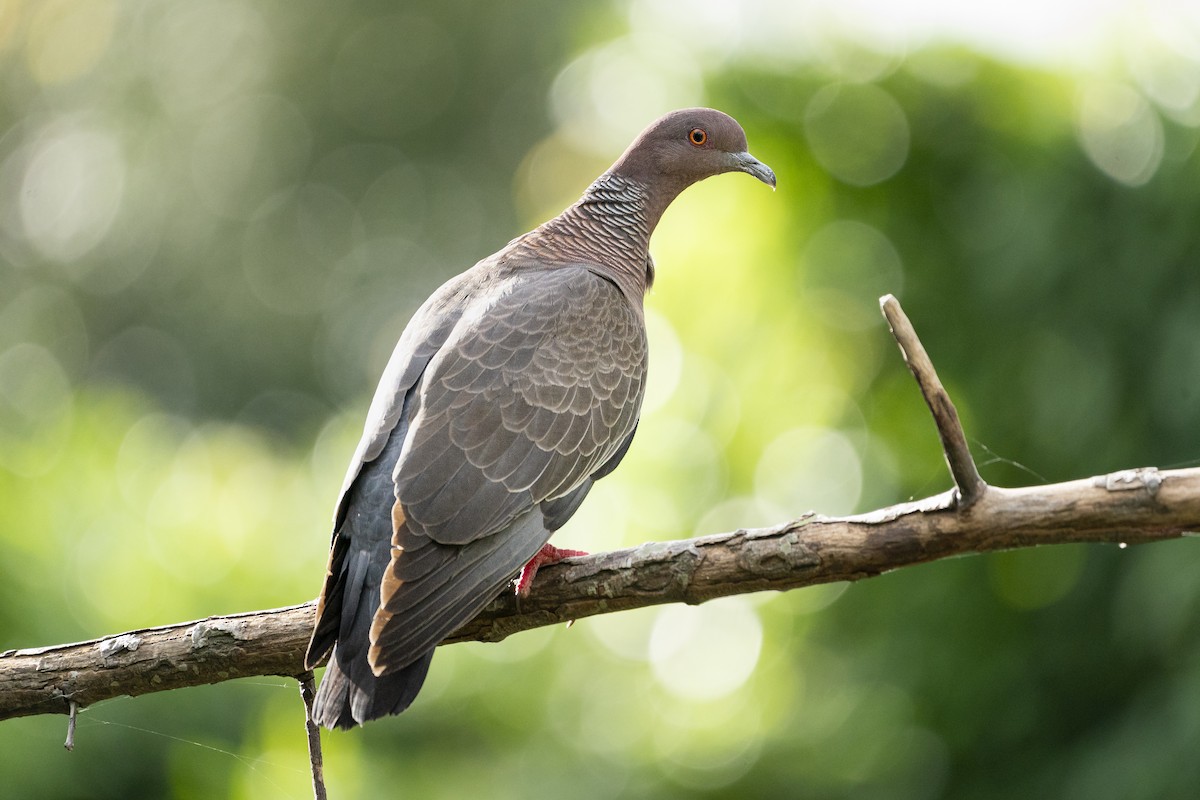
<point>215,218</point>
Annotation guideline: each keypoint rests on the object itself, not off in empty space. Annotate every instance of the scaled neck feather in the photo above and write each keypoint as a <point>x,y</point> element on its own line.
<point>609,227</point>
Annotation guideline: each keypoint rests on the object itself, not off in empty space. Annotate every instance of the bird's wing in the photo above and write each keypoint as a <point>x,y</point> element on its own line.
<point>537,388</point>
<point>425,334</point>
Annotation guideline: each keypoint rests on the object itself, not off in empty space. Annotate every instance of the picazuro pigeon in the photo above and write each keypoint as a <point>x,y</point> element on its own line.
<point>513,389</point>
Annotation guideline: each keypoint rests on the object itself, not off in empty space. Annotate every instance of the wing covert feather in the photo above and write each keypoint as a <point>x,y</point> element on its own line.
<point>536,389</point>
<point>533,390</point>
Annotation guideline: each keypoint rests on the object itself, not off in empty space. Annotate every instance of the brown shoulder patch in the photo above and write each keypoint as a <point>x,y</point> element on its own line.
<point>398,519</point>
<point>379,623</point>
<point>388,587</point>
<point>373,655</point>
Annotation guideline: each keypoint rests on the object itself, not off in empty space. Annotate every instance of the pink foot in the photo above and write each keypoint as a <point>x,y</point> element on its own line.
<point>549,554</point>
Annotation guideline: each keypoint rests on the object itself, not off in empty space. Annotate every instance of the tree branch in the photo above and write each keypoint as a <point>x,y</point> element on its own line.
<point>954,442</point>
<point>308,695</point>
<point>1135,506</point>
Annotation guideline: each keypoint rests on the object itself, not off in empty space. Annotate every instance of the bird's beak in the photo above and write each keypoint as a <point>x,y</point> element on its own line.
<point>744,162</point>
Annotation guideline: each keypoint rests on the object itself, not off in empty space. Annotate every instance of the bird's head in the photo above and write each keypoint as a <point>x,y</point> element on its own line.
<point>687,146</point>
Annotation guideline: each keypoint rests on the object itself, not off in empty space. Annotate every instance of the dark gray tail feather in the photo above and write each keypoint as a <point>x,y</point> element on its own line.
<point>350,694</point>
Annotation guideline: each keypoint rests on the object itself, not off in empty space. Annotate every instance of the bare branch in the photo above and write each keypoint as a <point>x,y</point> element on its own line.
<point>1131,507</point>
<point>72,718</point>
<point>945,416</point>
<point>316,760</point>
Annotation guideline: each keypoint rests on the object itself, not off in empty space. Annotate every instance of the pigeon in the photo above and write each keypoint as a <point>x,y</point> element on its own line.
<point>516,386</point>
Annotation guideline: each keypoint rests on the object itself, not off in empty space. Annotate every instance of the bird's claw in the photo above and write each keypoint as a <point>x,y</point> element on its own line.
<point>549,554</point>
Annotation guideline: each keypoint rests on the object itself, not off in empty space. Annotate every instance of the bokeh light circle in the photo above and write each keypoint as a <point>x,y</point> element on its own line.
<point>857,132</point>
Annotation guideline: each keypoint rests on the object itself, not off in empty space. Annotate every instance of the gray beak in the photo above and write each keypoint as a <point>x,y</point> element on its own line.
<point>744,162</point>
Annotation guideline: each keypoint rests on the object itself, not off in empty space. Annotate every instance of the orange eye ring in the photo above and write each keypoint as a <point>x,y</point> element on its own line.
<point>698,137</point>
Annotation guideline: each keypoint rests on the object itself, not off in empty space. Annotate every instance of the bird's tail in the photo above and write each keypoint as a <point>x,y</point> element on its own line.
<point>350,694</point>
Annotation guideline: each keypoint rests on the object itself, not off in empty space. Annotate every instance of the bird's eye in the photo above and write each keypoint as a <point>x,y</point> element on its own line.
<point>698,136</point>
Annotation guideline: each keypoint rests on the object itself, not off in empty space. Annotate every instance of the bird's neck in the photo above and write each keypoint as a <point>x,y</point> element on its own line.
<point>610,226</point>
